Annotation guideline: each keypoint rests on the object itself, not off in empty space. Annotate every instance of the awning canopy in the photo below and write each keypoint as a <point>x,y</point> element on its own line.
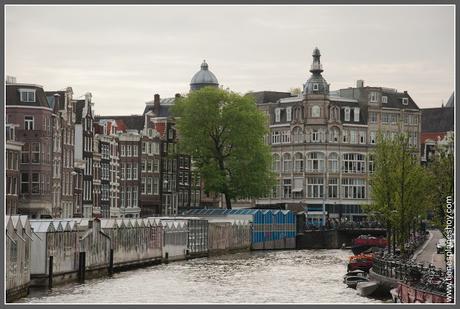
<point>297,190</point>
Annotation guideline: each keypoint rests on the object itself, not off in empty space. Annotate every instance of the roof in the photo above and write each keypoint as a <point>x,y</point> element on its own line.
<point>433,136</point>
<point>395,100</point>
<point>132,122</point>
<point>79,106</point>
<point>165,107</point>
<point>262,97</point>
<point>450,102</point>
<point>203,77</point>
<point>50,96</point>
<point>13,96</point>
<point>440,119</point>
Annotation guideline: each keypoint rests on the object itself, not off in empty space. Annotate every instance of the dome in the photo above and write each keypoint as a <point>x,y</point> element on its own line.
<point>203,78</point>
<point>316,84</point>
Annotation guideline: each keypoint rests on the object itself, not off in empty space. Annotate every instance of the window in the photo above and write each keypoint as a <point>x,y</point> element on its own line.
<point>314,187</point>
<point>144,147</point>
<point>333,163</point>
<point>24,183</point>
<point>123,152</point>
<point>315,162</point>
<point>373,97</point>
<point>315,87</point>
<point>135,197</point>
<point>35,152</point>
<point>143,183</point>
<point>149,185</point>
<point>135,172</point>
<point>334,134</point>
<point>352,136</point>
<point>371,164</point>
<point>128,171</point>
<point>315,136</point>
<point>276,161</point>
<point>334,113</point>
<point>298,162</point>
<point>285,137</point>
<point>347,114</point>
<point>28,122</point>
<point>128,151</point>
<point>35,183</point>
<point>143,165</point>
<point>129,191</point>
<point>356,114</point>
<point>333,187</point>
<point>315,111</point>
<point>287,162</point>
<point>298,113</point>
<point>405,101</point>
<point>287,188</point>
<point>413,139</point>
<point>276,137</point>
<point>384,99</point>
<point>277,114</point>
<point>372,137</point>
<point>353,163</point>
<point>390,118</point>
<point>156,165</point>
<point>27,95</point>
<point>156,185</point>
<point>353,188</point>
<point>135,153</point>
<point>297,135</point>
<point>122,198</point>
<point>372,117</point>
<point>25,155</point>
<point>123,171</point>
<point>362,137</point>
<point>288,114</point>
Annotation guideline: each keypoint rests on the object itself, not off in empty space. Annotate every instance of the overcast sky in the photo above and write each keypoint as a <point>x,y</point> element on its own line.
<point>123,55</point>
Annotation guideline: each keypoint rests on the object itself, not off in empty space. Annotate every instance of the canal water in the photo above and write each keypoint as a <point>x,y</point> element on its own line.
<point>303,276</point>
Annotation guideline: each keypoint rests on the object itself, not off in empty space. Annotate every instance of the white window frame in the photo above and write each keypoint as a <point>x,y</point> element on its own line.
<point>356,114</point>
<point>315,86</point>
<point>384,99</point>
<point>405,101</point>
<point>29,95</point>
<point>347,114</point>
<point>288,114</point>
<point>29,122</point>
<point>277,114</point>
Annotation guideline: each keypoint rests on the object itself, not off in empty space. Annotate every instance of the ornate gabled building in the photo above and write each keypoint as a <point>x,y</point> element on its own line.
<point>322,141</point>
<point>12,177</point>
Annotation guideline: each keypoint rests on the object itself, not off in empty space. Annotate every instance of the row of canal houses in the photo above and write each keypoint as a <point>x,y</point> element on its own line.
<point>64,161</point>
<point>71,249</point>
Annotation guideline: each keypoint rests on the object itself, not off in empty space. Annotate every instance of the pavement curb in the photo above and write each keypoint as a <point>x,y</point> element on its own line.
<point>417,253</point>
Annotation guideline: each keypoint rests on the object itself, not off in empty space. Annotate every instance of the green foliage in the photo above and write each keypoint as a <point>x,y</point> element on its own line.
<point>399,185</point>
<point>223,132</point>
<point>441,171</point>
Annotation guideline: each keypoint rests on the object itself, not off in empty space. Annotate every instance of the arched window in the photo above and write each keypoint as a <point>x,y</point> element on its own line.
<point>333,163</point>
<point>297,135</point>
<point>298,162</point>
<point>315,162</point>
<point>276,162</point>
<point>287,162</point>
<point>315,111</point>
<point>334,113</point>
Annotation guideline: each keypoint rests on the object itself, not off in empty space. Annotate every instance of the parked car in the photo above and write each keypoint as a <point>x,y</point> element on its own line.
<point>441,245</point>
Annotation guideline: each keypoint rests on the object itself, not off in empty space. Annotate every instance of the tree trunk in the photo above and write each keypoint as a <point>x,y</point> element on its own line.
<point>228,201</point>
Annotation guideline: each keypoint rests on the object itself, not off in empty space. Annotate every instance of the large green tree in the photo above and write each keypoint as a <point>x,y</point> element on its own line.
<point>224,133</point>
<point>400,186</point>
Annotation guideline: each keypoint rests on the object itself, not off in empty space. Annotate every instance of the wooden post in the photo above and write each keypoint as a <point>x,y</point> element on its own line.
<point>50,273</point>
<point>82,266</point>
<point>111,263</point>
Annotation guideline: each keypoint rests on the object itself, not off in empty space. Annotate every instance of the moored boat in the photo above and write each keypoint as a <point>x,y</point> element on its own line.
<point>352,281</point>
<point>366,288</point>
<point>362,262</point>
<point>365,242</point>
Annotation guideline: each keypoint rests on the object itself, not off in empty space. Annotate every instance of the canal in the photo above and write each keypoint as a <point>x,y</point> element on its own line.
<point>304,276</point>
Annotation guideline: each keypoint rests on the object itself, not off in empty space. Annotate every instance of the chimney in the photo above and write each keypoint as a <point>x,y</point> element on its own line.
<point>156,103</point>
<point>405,91</point>
<point>359,83</point>
<point>177,95</point>
<point>56,101</point>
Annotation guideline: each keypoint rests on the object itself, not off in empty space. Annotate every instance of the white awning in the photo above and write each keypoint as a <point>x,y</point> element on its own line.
<point>297,190</point>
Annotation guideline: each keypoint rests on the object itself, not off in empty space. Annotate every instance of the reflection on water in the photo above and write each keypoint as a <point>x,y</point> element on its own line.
<point>304,276</point>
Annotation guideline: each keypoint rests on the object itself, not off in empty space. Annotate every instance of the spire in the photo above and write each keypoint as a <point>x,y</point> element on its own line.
<point>204,65</point>
<point>316,67</point>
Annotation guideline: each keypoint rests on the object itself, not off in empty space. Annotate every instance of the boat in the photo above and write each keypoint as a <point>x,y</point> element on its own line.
<point>352,281</point>
<point>362,262</point>
<point>365,242</point>
<point>356,272</point>
<point>366,288</point>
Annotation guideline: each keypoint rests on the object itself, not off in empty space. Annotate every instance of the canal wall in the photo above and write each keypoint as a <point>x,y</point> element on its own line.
<point>332,239</point>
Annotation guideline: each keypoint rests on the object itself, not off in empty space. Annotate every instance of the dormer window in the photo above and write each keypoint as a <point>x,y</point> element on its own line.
<point>315,87</point>
<point>277,114</point>
<point>405,101</point>
<point>27,95</point>
<point>384,99</point>
<point>347,114</point>
<point>356,116</point>
<point>373,97</point>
